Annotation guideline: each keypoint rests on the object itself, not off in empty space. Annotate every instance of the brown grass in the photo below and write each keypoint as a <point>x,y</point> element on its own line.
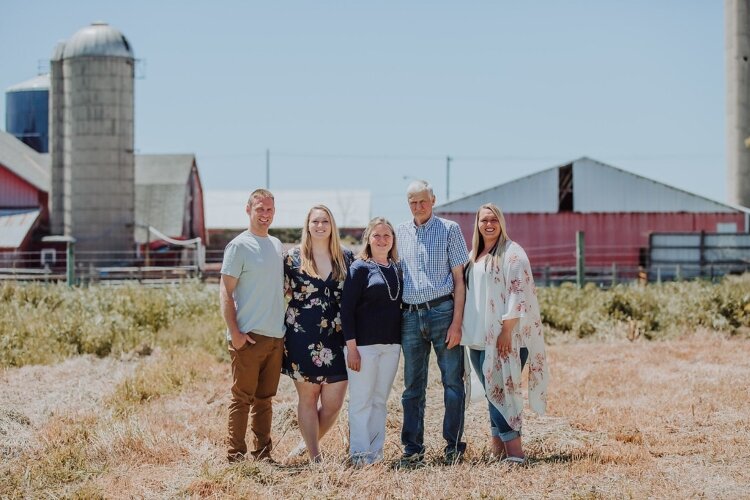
<point>658,419</point>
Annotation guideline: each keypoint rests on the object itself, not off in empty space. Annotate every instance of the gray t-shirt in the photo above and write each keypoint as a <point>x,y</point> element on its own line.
<point>259,296</point>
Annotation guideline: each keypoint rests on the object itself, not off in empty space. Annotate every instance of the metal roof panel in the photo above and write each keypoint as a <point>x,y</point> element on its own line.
<point>15,225</point>
<point>163,168</point>
<point>226,209</point>
<point>24,161</point>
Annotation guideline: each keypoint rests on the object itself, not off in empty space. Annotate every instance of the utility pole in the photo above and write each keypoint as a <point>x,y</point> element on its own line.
<point>268,169</point>
<point>448,160</point>
<point>737,50</point>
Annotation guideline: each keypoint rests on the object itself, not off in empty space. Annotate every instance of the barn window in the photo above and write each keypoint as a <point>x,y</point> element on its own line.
<point>566,189</point>
<point>726,227</point>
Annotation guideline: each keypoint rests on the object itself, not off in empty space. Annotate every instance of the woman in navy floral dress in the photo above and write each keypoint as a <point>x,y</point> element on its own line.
<point>314,274</point>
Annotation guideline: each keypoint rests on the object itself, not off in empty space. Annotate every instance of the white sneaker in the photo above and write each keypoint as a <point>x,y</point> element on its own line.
<point>298,450</point>
<point>359,460</point>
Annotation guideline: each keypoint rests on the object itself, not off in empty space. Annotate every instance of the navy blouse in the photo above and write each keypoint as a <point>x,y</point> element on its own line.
<point>368,312</point>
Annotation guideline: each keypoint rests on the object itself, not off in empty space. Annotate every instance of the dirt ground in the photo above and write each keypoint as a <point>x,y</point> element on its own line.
<point>666,419</point>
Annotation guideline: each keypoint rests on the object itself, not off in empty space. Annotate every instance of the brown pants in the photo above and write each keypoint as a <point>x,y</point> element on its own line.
<point>256,369</point>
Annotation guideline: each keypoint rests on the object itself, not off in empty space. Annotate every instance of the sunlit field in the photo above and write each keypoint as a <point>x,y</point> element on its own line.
<point>123,392</point>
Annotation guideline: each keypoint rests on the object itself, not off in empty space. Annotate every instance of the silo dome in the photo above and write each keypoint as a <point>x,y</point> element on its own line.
<point>39,82</point>
<point>98,39</point>
<point>57,54</point>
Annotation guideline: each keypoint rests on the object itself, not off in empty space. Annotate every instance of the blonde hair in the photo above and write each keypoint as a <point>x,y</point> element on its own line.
<point>477,242</point>
<point>334,248</point>
<point>366,252</point>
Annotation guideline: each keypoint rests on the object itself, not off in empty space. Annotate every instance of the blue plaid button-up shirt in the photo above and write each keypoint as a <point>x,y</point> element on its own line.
<point>428,253</point>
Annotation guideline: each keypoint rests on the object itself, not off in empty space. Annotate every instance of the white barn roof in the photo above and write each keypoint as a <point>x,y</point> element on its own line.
<point>226,209</point>
<point>24,161</point>
<point>15,225</point>
<point>596,187</point>
<point>161,193</point>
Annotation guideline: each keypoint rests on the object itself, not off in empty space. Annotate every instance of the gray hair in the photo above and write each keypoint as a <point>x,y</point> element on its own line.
<point>419,187</point>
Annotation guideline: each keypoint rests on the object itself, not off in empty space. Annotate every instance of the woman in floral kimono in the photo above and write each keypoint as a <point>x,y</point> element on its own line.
<point>502,328</point>
<point>314,274</point>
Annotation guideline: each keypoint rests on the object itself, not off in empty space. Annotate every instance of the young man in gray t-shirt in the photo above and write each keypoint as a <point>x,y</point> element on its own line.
<point>252,303</point>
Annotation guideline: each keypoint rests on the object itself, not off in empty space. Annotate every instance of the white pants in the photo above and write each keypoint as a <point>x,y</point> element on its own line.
<point>368,394</point>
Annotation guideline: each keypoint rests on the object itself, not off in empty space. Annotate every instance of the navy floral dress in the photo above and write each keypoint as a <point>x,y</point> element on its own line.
<point>314,340</point>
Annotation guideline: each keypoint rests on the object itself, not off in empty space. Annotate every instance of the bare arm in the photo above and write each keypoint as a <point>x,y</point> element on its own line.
<point>459,297</point>
<point>229,311</point>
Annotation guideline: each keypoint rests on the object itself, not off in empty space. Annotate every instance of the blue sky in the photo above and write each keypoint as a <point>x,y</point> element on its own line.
<point>360,95</point>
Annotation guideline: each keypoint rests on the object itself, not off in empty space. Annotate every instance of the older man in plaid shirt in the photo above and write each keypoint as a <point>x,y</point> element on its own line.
<point>433,254</point>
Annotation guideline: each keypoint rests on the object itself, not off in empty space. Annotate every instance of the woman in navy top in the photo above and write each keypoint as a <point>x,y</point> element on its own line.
<point>371,319</point>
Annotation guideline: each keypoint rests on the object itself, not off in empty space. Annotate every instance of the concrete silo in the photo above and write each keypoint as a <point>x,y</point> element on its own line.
<point>92,132</point>
<point>737,14</point>
<point>57,195</point>
<point>26,112</point>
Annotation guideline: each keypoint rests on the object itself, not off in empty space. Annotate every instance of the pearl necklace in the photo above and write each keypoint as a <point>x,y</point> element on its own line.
<point>398,282</point>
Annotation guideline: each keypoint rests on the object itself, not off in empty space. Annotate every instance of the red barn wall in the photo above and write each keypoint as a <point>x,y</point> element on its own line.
<point>199,223</point>
<point>549,239</point>
<point>16,192</point>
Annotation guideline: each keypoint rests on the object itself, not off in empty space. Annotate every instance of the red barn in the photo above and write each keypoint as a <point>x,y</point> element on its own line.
<point>168,197</point>
<point>24,183</point>
<point>617,211</point>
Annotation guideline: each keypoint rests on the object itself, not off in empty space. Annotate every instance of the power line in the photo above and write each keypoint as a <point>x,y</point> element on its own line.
<point>460,158</point>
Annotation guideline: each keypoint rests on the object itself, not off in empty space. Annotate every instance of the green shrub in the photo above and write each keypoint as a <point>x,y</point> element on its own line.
<point>656,310</point>
<point>42,324</point>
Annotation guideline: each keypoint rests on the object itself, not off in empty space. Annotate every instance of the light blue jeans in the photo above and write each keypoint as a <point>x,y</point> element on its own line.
<point>498,425</point>
<point>421,330</point>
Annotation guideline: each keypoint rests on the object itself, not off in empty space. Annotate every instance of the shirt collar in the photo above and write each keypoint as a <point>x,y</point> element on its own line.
<point>426,225</point>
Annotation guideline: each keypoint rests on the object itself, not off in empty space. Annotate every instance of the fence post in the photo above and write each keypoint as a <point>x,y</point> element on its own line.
<point>70,265</point>
<point>70,262</point>
<point>546,275</point>
<point>580,258</point>
<point>614,273</point>
<point>702,249</point>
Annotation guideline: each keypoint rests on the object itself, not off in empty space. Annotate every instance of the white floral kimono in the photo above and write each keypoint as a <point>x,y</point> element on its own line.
<point>511,293</point>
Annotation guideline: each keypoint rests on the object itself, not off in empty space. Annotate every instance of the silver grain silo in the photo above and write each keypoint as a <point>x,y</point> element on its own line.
<point>26,110</point>
<point>56,116</point>
<point>737,14</point>
<point>96,141</point>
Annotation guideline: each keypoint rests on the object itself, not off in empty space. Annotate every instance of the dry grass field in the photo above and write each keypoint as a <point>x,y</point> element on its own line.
<point>665,419</point>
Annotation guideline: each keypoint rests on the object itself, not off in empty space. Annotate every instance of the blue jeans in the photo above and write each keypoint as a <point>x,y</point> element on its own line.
<point>498,425</point>
<point>419,329</point>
